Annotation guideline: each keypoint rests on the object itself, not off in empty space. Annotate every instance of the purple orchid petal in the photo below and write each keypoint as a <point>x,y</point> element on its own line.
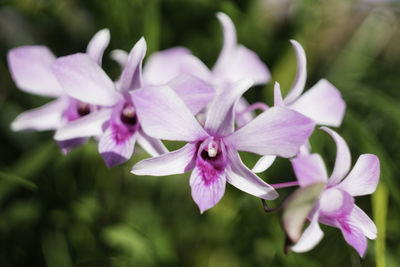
<point>301,75</point>
<point>277,131</point>
<point>323,103</point>
<point>363,222</point>
<point>354,237</point>
<point>364,177</point>
<point>310,237</point>
<point>242,178</point>
<point>309,169</point>
<point>98,44</point>
<point>221,113</point>
<point>46,117</point>
<point>194,92</point>
<point>192,65</point>
<point>242,116</point>
<point>116,151</point>
<point>119,56</point>
<point>278,100</point>
<point>207,192</point>
<point>263,163</point>
<point>163,115</point>
<point>151,145</point>
<point>67,145</point>
<point>161,67</point>
<point>86,126</point>
<point>229,39</point>
<point>335,205</point>
<point>131,77</point>
<point>175,162</point>
<point>83,79</point>
<point>343,158</point>
<point>30,68</point>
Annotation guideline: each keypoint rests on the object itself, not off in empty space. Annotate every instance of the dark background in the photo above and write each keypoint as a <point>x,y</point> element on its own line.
<point>71,210</point>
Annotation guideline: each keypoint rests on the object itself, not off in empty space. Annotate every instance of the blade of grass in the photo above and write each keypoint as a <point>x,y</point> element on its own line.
<point>380,207</point>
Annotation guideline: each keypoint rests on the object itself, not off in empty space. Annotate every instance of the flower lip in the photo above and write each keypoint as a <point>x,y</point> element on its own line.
<point>212,153</point>
<point>128,115</point>
<point>83,109</point>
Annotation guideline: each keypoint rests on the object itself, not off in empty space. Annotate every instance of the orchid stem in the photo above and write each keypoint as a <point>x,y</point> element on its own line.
<point>266,209</point>
<point>258,105</point>
<point>284,185</point>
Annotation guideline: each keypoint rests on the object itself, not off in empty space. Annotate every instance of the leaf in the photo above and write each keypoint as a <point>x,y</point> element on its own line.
<point>380,207</point>
<point>296,209</point>
<point>18,180</point>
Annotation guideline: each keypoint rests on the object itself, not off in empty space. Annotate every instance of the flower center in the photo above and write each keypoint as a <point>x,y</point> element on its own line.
<point>83,109</point>
<point>128,115</point>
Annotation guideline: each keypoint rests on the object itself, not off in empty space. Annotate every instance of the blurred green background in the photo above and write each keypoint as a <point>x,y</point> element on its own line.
<point>71,210</point>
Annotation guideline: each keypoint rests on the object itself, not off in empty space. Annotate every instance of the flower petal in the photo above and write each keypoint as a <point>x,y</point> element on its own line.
<point>206,195</point>
<point>46,117</point>
<point>242,116</point>
<point>113,152</point>
<point>278,101</point>
<point>263,163</point>
<point>335,205</point>
<point>98,44</point>
<point>120,56</point>
<point>67,145</point>
<point>277,131</point>
<point>162,114</point>
<point>323,103</point>
<point>83,79</point>
<point>193,65</point>
<point>363,222</point>
<point>131,77</point>
<point>221,113</point>
<point>364,177</point>
<point>175,162</point>
<point>309,169</point>
<point>151,145</point>
<point>242,178</point>
<point>301,75</point>
<point>343,157</point>
<point>86,126</point>
<point>194,92</point>
<point>30,68</point>
<point>161,67</point>
<point>354,237</point>
<point>310,237</point>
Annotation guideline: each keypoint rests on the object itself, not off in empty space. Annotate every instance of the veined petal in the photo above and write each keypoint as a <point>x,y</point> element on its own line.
<point>86,126</point>
<point>242,63</point>
<point>162,114</point>
<point>263,163</point>
<point>301,75</point>
<point>115,153</point>
<point>277,131</point>
<point>335,205</point>
<point>206,194</point>
<point>83,79</point>
<point>323,103</point>
<point>175,162</point>
<point>278,101</point>
<point>364,177</point>
<point>193,65</point>
<point>242,117</point>
<point>229,39</point>
<point>151,145</point>
<point>46,117</point>
<point>194,92</point>
<point>354,237</point>
<point>343,158</point>
<point>310,237</point>
<point>221,113</point>
<point>131,77</point>
<point>120,56</point>
<point>98,44</point>
<point>309,169</point>
<point>161,67</point>
<point>30,68</point>
<point>363,222</point>
<point>242,178</point>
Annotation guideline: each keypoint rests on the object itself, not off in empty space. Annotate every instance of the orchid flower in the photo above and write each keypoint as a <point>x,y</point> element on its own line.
<point>212,151</point>
<point>322,103</point>
<point>30,67</point>
<point>336,206</point>
<point>116,123</point>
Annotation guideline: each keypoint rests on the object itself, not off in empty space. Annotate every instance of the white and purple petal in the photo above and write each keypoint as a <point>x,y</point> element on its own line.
<point>311,236</point>
<point>263,163</point>
<point>363,222</point>
<point>98,44</point>
<point>309,169</point>
<point>151,145</point>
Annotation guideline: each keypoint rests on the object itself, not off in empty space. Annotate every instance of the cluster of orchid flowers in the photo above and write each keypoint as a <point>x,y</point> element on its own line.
<point>176,97</point>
